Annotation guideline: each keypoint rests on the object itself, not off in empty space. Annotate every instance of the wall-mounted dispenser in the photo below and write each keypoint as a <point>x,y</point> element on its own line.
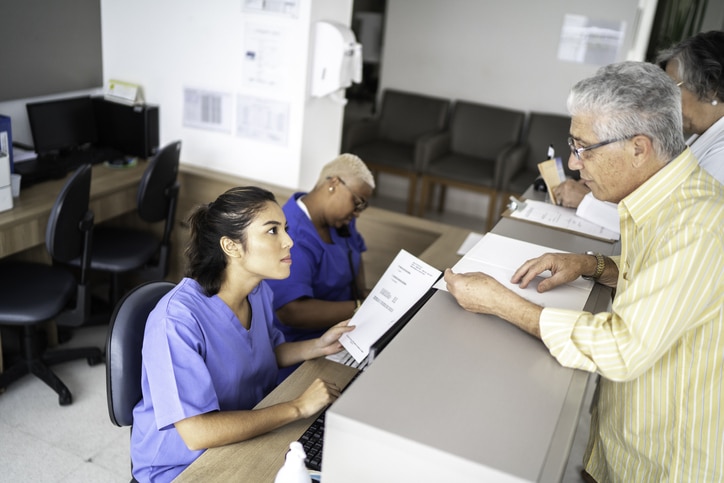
<point>337,60</point>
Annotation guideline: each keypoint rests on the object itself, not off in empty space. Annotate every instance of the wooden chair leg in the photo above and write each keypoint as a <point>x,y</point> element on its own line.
<point>492,204</point>
<point>411,195</point>
<point>424,197</point>
<point>441,198</point>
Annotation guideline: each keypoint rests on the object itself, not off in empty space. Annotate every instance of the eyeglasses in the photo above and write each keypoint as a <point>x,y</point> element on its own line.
<point>360,204</point>
<point>578,151</point>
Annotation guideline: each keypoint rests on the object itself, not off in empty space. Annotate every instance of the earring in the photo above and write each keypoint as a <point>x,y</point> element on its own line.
<point>331,188</point>
<point>714,102</point>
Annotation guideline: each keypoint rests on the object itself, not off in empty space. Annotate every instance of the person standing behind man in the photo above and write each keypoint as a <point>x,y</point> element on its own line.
<point>697,66</point>
<point>327,282</point>
<point>660,351</point>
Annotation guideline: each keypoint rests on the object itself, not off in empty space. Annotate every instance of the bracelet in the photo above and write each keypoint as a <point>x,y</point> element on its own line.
<point>600,266</point>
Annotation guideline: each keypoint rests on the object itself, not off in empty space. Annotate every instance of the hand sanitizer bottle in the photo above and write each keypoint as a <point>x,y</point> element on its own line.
<point>294,470</point>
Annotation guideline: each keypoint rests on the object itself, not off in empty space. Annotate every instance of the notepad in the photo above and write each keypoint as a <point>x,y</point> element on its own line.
<point>548,214</point>
<point>499,257</point>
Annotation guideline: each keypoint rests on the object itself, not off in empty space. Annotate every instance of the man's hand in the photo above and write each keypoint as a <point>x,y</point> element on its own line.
<point>564,268</point>
<point>570,193</point>
<point>478,292</point>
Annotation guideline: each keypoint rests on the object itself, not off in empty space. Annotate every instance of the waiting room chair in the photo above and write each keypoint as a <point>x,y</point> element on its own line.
<point>521,164</point>
<point>120,250</point>
<point>34,293</point>
<point>469,155</point>
<point>390,142</point>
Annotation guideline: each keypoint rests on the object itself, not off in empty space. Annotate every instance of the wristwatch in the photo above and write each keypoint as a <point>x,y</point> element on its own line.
<point>600,266</point>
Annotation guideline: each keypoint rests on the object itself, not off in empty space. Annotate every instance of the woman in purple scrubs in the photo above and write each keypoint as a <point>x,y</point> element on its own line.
<point>210,349</point>
<point>327,282</point>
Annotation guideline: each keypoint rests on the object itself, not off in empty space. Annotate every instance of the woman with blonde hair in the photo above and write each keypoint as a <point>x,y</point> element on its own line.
<point>326,284</point>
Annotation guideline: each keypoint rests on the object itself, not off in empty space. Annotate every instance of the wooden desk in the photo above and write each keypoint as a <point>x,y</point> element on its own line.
<point>113,193</point>
<point>22,229</point>
<point>260,458</point>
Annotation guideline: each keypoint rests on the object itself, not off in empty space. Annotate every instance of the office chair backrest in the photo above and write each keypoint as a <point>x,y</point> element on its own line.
<point>123,349</point>
<point>480,130</point>
<point>71,222</point>
<point>159,184</point>
<point>405,116</point>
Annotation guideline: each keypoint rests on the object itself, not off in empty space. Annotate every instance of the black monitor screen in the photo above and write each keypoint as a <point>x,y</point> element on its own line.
<point>62,124</point>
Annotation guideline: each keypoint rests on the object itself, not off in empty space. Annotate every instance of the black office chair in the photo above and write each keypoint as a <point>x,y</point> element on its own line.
<point>123,349</point>
<point>33,293</point>
<point>120,250</point>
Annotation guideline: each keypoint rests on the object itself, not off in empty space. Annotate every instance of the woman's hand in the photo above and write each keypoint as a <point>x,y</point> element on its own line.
<point>317,396</point>
<point>329,343</point>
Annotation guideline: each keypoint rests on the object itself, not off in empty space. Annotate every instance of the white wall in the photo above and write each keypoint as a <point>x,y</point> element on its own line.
<point>501,52</point>
<point>169,45</point>
<point>498,52</point>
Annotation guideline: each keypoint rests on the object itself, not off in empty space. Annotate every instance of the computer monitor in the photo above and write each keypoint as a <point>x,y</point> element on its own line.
<point>62,124</point>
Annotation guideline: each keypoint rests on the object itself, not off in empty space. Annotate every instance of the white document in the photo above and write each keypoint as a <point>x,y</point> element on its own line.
<point>564,218</point>
<point>404,282</point>
<point>469,242</point>
<point>600,212</point>
<point>499,257</point>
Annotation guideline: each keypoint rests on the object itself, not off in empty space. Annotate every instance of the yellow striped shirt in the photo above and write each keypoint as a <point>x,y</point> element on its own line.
<point>660,352</point>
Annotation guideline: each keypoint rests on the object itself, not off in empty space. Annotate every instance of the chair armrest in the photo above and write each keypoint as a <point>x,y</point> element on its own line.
<point>508,163</point>
<point>360,132</point>
<point>429,147</point>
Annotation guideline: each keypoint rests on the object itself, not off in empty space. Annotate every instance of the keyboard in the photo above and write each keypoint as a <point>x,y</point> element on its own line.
<point>345,358</point>
<point>312,441</point>
<point>313,438</point>
<point>56,166</point>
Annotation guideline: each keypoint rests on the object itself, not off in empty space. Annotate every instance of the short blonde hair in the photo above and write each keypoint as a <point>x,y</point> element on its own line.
<point>348,167</point>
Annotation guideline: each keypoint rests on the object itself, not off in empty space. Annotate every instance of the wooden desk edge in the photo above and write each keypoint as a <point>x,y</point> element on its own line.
<point>23,227</point>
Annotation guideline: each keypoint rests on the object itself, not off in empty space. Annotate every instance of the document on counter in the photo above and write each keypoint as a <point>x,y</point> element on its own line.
<point>500,256</point>
<point>602,213</point>
<point>404,282</point>
<point>566,219</point>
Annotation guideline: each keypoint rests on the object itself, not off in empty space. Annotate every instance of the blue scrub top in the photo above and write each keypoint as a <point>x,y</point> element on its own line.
<point>319,270</point>
<point>197,357</point>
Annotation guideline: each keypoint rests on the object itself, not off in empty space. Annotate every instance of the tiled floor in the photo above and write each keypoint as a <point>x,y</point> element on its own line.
<point>41,441</point>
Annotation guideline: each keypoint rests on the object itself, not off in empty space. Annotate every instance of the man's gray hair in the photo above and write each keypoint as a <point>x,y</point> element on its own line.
<point>348,167</point>
<point>631,98</point>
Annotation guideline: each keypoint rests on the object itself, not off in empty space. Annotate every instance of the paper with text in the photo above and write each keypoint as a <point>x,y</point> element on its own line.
<point>599,212</point>
<point>499,257</point>
<point>565,218</point>
<point>404,282</point>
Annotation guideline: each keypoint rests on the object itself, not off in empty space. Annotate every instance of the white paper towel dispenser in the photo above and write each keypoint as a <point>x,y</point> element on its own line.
<point>337,59</point>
